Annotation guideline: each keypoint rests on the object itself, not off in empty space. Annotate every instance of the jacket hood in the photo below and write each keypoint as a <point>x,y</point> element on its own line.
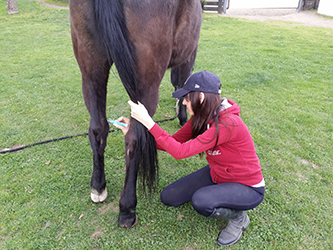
<point>233,109</point>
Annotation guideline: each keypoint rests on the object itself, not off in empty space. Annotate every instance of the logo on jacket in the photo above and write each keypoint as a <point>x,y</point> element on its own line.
<point>215,152</point>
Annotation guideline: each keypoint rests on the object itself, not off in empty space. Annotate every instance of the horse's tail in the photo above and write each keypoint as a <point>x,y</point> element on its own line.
<point>111,23</point>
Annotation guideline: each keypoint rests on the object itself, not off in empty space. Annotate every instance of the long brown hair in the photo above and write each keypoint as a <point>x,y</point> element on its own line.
<point>204,112</point>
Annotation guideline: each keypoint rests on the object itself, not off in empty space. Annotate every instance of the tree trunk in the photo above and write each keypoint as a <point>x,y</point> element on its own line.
<point>316,4</point>
<point>12,7</point>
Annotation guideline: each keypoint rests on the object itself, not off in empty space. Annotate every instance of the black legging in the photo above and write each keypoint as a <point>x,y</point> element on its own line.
<point>205,195</point>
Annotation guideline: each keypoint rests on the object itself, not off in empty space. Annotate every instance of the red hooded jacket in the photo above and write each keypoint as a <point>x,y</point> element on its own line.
<point>234,159</point>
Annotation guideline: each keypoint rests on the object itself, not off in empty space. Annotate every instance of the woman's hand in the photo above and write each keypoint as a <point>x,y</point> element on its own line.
<point>122,120</point>
<point>140,113</point>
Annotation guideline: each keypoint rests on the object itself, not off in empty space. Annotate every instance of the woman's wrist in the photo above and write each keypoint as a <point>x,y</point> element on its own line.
<point>149,123</point>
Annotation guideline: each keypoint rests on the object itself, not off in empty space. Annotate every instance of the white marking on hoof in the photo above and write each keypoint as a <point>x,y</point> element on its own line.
<point>97,197</point>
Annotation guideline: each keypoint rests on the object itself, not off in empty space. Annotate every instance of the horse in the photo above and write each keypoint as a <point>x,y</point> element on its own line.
<point>143,38</point>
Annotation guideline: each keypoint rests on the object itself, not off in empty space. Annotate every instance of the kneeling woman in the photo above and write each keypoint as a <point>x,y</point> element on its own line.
<point>232,182</point>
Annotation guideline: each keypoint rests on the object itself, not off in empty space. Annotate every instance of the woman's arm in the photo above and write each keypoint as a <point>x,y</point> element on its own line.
<point>178,150</point>
<point>181,150</point>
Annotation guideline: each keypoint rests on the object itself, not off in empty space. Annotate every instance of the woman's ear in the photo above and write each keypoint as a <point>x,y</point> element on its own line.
<point>202,97</point>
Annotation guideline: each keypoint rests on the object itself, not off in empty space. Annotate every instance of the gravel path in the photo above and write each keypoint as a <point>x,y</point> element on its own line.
<point>307,18</point>
<point>54,6</point>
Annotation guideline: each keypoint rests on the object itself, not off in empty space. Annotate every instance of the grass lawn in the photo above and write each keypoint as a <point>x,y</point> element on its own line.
<point>281,75</point>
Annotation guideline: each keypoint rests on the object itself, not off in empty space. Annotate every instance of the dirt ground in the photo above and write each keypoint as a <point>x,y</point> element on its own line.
<point>307,18</point>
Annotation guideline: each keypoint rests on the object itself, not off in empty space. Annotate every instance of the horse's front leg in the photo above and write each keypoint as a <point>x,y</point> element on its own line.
<point>128,201</point>
<point>177,82</point>
<point>179,75</point>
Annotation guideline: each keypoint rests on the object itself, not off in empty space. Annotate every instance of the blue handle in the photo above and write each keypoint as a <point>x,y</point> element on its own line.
<point>116,122</point>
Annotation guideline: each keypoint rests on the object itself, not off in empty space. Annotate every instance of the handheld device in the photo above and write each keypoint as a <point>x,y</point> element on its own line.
<point>116,122</point>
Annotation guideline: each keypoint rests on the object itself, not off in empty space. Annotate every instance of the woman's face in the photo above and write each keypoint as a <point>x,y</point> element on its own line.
<point>187,103</point>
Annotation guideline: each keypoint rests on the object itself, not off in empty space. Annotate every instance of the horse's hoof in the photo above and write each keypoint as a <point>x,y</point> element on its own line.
<point>98,197</point>
<point>128,223</point>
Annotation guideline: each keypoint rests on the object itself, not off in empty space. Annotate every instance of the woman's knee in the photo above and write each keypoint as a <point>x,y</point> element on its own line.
<point>201,204</point>
<point>164,197</point>
<point>168,197</point>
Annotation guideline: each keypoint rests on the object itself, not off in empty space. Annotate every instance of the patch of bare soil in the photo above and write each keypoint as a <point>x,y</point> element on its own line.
<point>307,18</point>
<point>53,5</point>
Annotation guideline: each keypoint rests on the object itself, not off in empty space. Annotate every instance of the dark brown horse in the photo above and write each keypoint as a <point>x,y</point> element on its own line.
<point>142,38</point>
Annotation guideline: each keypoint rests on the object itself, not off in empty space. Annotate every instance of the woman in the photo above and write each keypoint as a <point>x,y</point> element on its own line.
<point>232,181</point>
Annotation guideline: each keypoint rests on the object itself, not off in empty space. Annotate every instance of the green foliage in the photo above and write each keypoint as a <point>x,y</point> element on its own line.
<point>280,74</point>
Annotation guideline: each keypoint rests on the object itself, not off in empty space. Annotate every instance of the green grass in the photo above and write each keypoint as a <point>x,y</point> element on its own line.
<point>281,74</point>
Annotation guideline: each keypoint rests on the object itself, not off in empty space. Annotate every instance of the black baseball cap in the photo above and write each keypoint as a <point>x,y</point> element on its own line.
<point>202,81</point>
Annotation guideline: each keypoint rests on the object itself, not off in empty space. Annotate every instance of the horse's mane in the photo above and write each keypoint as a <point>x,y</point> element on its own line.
<point>114,33</point>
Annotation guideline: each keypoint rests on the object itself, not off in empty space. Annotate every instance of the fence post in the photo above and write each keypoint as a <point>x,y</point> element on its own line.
<point>219,9</point>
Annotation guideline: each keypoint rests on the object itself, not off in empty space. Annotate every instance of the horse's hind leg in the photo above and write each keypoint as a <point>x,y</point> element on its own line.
<point>94,66</point>
<point>127,204</point>
<point>140,152</point>
<point>94,93</point>
<point>179,74</point>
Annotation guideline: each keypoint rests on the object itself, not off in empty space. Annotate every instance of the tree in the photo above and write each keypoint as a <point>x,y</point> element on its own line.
<point>12,7</point>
